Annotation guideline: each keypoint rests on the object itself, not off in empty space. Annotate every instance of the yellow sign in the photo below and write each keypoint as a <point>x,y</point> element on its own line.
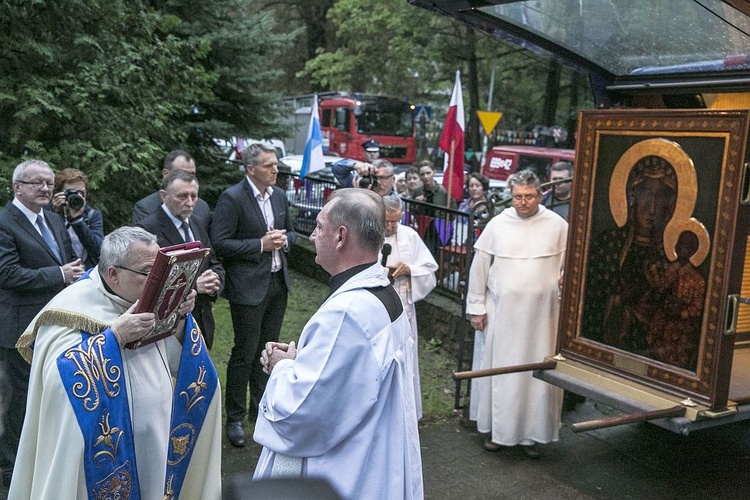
<point>489,120</point>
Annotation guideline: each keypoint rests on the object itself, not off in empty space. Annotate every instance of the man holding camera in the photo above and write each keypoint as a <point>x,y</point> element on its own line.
<point>84,223</point>
<point>377,176</point>
<point>374,174</point>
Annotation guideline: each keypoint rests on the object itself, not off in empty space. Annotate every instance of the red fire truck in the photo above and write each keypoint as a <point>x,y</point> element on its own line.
<point>348,121</point>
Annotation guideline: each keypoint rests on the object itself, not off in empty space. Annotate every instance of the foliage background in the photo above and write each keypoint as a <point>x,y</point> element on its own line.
<point>110,87</point>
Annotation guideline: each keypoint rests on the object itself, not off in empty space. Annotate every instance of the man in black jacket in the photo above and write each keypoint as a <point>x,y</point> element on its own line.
<point>175,222</point>
<point>175,160</point>
<point>252,233</point>
<point>36,262</point>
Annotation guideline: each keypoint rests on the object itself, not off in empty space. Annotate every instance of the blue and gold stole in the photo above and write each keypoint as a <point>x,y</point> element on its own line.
<point>92,374</point>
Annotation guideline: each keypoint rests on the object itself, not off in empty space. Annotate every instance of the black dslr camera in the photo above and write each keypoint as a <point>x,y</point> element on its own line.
<point>368,181</point>
<point>74,200</point>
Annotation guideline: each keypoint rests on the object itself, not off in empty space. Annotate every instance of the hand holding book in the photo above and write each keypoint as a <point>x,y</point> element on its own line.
<point>130,326</point>
<point>168,289</point>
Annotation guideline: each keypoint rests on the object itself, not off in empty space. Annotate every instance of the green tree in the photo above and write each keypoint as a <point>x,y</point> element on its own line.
<point>390,47</point>
<point>241,48</point>
<point>90,84</point>
<point>110,87</point>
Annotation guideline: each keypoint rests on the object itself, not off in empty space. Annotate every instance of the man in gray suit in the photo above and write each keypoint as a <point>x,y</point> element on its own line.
<point>252,233</point>
<point>36,262</point>
<point>175,160</point>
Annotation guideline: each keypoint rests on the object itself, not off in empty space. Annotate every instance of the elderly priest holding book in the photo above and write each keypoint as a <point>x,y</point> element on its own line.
<point>108,422</point>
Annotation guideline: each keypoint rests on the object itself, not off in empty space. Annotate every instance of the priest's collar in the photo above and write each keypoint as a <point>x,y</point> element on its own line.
<point>343,277</point>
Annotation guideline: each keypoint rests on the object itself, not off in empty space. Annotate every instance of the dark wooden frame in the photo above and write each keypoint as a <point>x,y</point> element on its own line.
<point>715,142</point>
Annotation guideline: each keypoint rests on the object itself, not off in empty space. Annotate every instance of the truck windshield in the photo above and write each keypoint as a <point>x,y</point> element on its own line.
<point>385,117</point>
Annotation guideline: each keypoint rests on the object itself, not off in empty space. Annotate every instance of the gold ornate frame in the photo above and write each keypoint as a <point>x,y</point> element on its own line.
<point>706,150</point>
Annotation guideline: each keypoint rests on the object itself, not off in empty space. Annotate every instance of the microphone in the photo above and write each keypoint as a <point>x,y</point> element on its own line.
<point>386,252</point>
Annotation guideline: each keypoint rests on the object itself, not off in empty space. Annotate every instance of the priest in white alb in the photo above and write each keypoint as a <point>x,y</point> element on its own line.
<point>341,405</point>
<point>514,298</point>
<point>104,421</point>
<point>411,268</point>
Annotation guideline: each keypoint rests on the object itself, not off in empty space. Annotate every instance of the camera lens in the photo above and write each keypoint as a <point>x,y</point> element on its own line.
<point>368,181</point>
<point>74,200</point>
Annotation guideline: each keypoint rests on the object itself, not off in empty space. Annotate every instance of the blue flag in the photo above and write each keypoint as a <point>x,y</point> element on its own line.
<point>312,160</point>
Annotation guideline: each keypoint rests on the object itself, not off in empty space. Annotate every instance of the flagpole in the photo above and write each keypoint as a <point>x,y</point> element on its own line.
<point>450,173</point>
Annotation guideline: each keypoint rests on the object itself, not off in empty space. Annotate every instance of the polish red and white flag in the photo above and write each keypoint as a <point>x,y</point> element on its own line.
<point>452,142</point>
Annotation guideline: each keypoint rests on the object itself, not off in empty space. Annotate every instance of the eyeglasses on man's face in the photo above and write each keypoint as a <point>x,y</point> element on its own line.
<point>525,197</point>
<point>38,184</point>
<point>142,273</point>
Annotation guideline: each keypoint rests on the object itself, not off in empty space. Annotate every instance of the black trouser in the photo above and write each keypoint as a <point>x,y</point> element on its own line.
<point>253,327</point>
<point>14,385</point>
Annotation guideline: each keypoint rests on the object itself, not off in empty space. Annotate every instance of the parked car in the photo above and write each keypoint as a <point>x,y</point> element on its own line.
<point>307,195</point>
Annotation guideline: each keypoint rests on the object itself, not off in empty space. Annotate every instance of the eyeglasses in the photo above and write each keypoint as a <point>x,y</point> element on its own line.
<point>38,184</point>
<point>142,273</point>
<point>527,197</point>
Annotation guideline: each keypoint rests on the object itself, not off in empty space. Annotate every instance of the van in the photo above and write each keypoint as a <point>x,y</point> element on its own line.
<point>502,161</point>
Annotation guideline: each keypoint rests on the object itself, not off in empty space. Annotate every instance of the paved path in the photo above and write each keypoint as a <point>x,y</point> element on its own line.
<point>628,462</point>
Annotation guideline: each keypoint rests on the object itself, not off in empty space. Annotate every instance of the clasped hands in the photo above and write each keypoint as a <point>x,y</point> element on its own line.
<point>398,270</point>
<point>129,326</point>
<point>208,282</point>
<point>274,239</point>
<point>72,271</point>
<point>275,352</point>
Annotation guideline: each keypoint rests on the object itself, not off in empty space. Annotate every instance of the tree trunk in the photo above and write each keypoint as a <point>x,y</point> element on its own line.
<point>472,130</point>
<point>552,93</point>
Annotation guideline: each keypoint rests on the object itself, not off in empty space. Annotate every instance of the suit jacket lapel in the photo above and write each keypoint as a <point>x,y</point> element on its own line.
<point>278,210</point>
<point>27,226</point>
<point>255,207</point>
<point>171,234</point>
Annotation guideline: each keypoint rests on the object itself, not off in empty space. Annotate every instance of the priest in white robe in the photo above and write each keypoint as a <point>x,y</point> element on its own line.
<point>340,406</point>
<point>514,298</point>
<point>108,422</point>
<point>411,268</point>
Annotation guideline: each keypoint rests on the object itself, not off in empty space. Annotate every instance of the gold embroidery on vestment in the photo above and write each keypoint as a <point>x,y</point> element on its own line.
<point>93,367</point>
<point>118,485</point>
<point>197,387</point>
<point>110,438</point>
<point>182,440</point>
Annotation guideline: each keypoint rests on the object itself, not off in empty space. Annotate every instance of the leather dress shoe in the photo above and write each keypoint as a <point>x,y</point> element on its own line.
<point>236,434</point>
<point>492,447</point>
<point>531,451</point>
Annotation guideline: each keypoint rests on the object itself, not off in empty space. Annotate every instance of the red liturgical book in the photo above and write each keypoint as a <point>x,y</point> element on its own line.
<point>169,282</point>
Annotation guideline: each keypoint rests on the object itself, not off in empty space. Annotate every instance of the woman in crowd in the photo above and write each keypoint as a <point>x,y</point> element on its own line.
<point>412,182</point>
<point>477,186</point>
<point>84,223</point>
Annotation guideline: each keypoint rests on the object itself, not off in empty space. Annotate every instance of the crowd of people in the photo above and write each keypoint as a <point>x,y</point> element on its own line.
<point>148,421</point>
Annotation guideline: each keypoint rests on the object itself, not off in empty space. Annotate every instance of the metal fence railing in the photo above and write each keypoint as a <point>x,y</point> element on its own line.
<point>449,234</point>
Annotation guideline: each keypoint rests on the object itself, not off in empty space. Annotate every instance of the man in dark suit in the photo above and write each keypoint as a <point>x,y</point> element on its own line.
<point>36,262</point>
<point>175,160</point>
<point>174,223</point>
<point>252,233</point>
